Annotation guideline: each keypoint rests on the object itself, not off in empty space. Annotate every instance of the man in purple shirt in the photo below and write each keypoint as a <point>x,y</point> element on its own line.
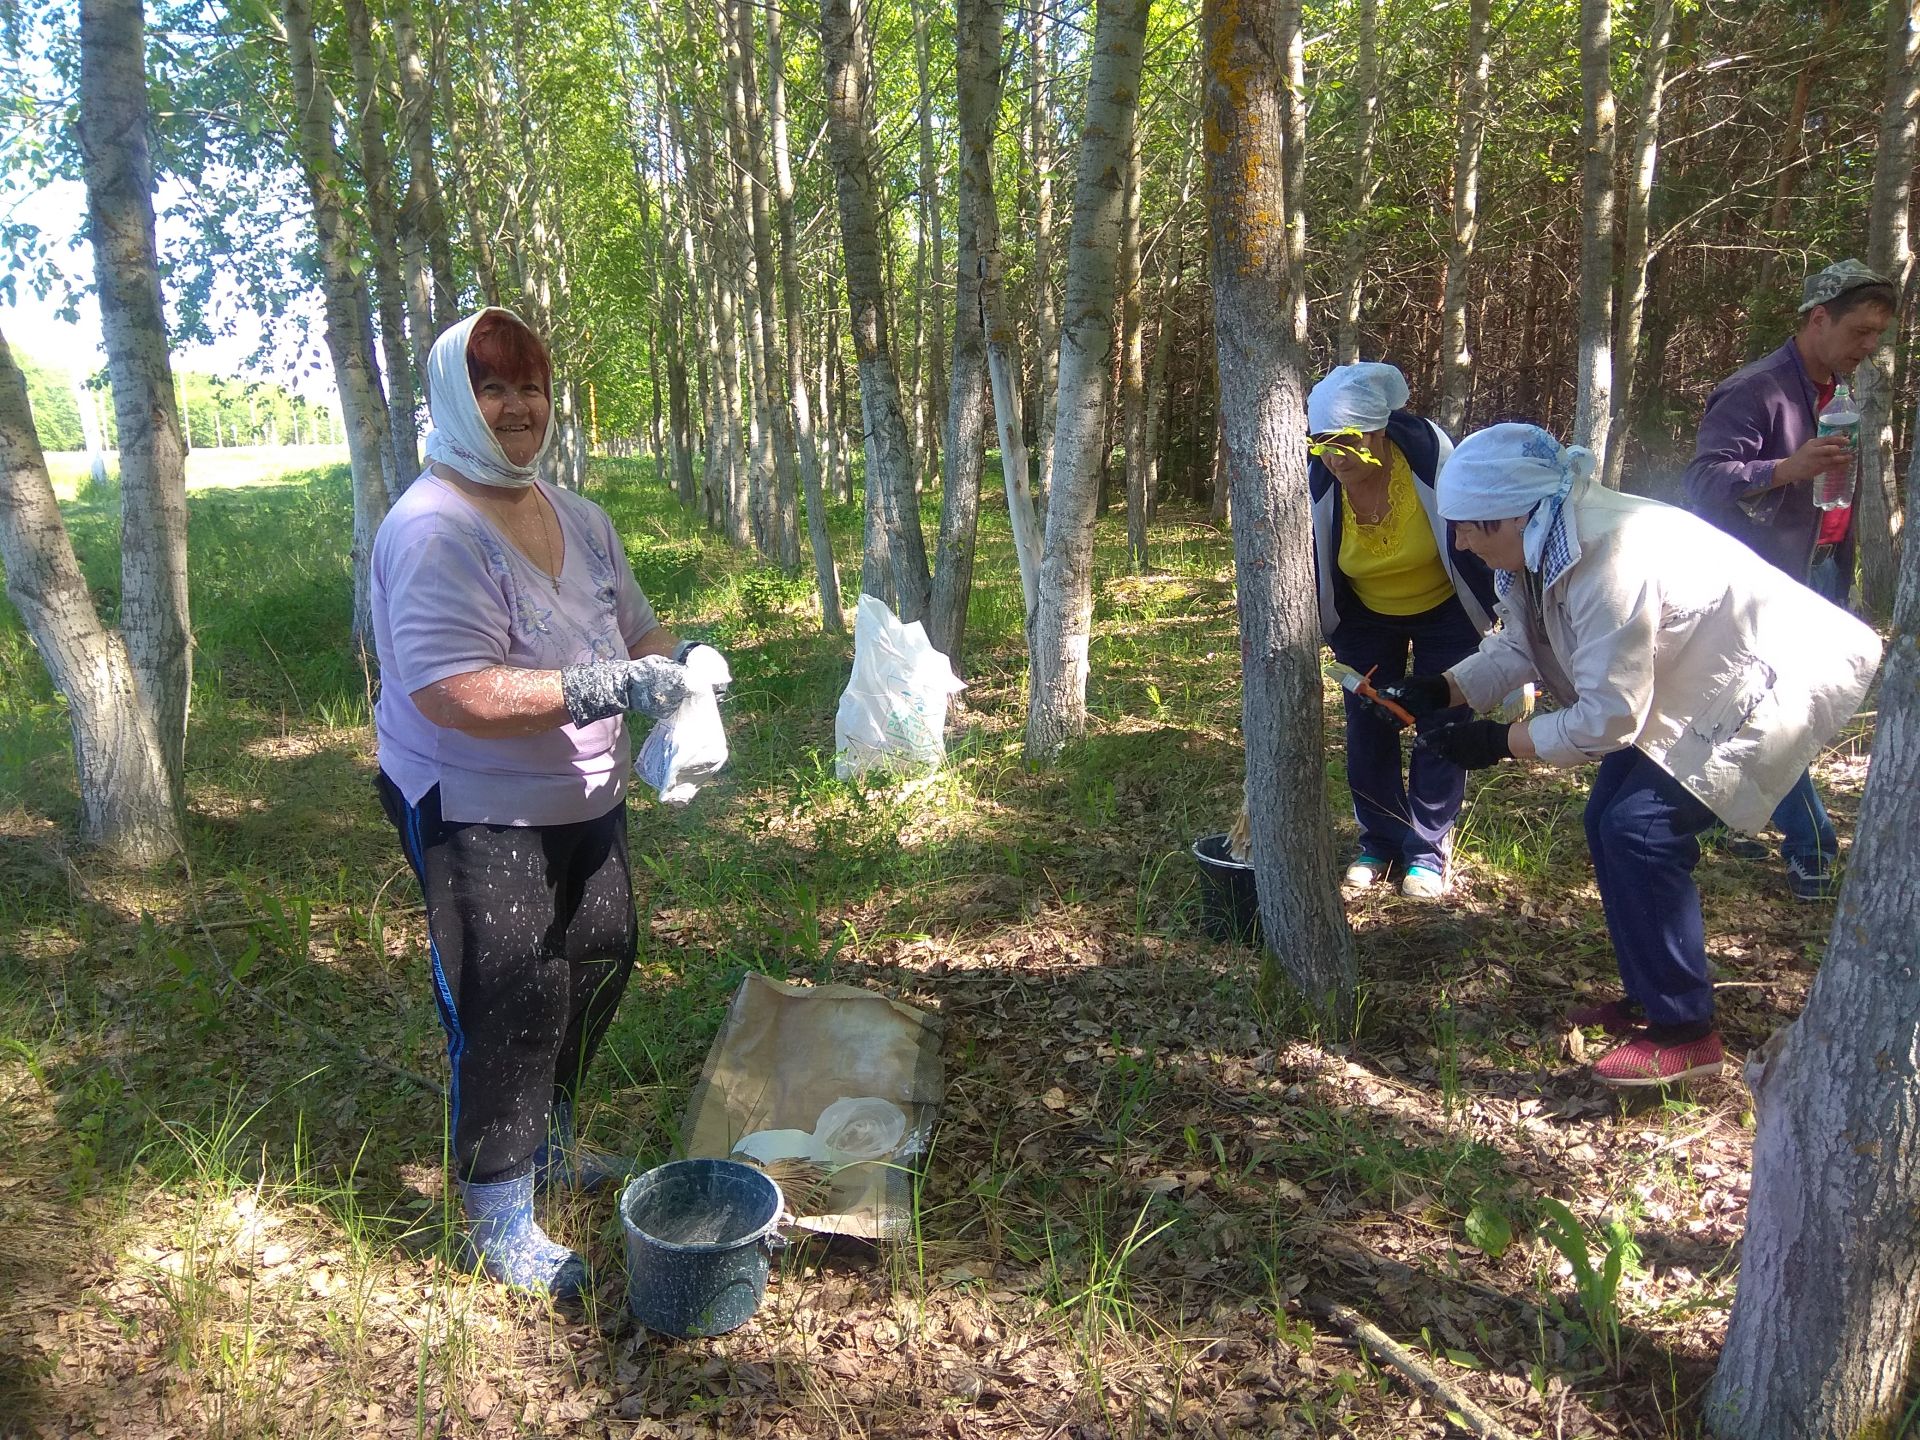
<point>1752,475</point>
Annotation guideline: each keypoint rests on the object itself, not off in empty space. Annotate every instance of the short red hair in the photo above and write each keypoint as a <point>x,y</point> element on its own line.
<point>500,347</point>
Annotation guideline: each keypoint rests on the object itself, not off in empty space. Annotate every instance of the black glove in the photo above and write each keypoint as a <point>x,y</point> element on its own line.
<point>1420,695</point>
<point>1470,744</point>
<point>653,685</point>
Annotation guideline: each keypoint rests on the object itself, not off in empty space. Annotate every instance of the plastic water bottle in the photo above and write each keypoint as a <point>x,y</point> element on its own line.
<point>1839,416</point>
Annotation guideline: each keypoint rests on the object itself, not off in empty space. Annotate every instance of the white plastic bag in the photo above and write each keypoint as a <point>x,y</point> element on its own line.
<point>894,709</point>
<point>688,748</point>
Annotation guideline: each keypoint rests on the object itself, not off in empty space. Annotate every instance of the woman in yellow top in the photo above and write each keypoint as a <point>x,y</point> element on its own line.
<point>1391,585</point>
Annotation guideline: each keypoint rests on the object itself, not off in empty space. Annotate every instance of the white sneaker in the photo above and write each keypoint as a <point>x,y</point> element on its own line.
<point>1366,872</point>
<point>1422,883</point>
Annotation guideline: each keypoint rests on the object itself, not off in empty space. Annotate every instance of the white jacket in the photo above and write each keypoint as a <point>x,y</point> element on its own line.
<point>1671,636</point>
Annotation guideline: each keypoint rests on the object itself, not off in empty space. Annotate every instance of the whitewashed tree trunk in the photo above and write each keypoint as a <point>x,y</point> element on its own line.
<point>1256,167</point>
<point>1456,359</point>
<point>1633,265</point>
<point>889,451</point>
<point>1063,624</point>
<point>1593,397</point>
<point>114,124</point>
<point>1877,516</point>
<point>1824,1322</point>
<point>978,27</point>
<point>826,575</point>
<point>347,343</point>
<point>127,791</point>
<point>1365,181</point>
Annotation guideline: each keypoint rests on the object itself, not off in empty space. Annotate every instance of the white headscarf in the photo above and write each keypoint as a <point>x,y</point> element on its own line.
<point>1508,470</point>
<point>460,439</point>
<point>1355,397</point>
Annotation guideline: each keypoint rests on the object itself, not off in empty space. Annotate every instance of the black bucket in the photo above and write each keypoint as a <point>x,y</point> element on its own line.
<point>1229,904</point>
<point>699,1238</point>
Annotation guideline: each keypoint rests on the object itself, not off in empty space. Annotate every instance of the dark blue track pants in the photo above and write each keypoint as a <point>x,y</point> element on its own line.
<point>1642,826</point>
<point>1405,805</point>
<point>531,939</point>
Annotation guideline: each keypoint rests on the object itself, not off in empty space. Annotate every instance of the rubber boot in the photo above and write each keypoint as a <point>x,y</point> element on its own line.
<point>508,1246</point>
<point>562,1164</point>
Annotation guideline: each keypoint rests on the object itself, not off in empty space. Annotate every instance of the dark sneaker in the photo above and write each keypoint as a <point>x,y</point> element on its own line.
<point>1616,1017</point>
<point>1809,879</point>
<point>1645,1061</point>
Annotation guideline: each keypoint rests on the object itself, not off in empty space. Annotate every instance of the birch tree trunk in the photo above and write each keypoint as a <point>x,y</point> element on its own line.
<point>1633,267</point>
<point>1062,625</point>
<point>1256,165</point>
<point>890,476</point>
<point>825,573</point>
<point>389,285</point>
<point>932,399</point>
<point>978,26</point>
<point>1358,244</point>
<point>114,123</point>
<point>1040,146</point>
<point>1593,397</point>
<point>1878,516</point>
<point>128,794</point>
<point>1133,365</point>
<point>348,344</point>
<point>431,294</point>
<point>1456,359</point>
<point>1824,1322</point>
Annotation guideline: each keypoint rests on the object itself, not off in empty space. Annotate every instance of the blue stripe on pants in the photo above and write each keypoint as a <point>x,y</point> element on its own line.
<point>416,850</point>
<point>1642,827</point>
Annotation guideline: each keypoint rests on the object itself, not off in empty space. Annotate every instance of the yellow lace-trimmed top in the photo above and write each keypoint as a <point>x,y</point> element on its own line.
<point>1394,566</point>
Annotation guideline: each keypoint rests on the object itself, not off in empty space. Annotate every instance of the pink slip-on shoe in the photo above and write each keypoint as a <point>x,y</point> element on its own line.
<point>1645,1061</point>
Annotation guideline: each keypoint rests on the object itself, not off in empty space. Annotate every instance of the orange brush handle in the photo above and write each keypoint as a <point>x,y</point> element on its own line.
<point>1365,689</point>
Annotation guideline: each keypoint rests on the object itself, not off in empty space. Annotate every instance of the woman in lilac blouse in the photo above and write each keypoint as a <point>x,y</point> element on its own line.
<point>512,639</point>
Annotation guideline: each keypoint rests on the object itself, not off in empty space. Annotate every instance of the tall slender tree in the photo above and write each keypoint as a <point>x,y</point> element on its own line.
<point>1364,182</point>
<point>1063,624</point>
<point>1455,357</point>
<point>1593,402</point>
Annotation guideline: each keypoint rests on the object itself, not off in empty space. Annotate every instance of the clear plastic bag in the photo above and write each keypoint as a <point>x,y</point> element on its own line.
<point>894,710</point>
<point>688,748</point>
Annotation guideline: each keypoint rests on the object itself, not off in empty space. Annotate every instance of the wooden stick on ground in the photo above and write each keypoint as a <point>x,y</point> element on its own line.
<point>1424,1377</point>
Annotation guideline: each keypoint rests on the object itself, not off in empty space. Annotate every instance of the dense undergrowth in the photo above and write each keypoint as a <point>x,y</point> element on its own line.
<point>222,1209</point>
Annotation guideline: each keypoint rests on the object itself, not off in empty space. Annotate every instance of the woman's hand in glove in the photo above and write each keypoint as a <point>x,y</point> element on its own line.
<point>1420,695</point>
<point>653,685</point>
<point>1471,744</point>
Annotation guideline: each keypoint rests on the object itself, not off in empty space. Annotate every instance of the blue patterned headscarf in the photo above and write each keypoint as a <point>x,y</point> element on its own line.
<point>1505,471</point>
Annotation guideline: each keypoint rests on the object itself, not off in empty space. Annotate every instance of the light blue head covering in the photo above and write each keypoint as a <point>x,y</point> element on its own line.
<point>1508,470</point>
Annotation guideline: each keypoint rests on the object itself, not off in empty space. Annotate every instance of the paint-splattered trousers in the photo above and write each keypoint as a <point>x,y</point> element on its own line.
<point>531,939</point>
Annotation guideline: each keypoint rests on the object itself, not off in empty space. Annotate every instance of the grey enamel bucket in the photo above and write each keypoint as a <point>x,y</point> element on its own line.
<point>699,1235</point>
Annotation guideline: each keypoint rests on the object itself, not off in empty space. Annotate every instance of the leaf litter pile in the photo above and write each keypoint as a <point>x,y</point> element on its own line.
<point>1150,1209</point>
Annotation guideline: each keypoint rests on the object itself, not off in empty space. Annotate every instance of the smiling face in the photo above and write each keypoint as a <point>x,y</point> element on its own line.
<point>1498,542</point>
<point>1838,344</point>
<point>516,414</point>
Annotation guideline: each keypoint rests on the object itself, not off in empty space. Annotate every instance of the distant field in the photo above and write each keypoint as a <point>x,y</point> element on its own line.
<point>216,469</point>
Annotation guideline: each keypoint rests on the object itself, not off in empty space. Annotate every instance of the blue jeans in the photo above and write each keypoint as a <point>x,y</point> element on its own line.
<point>1404,806</point>
<point>1806,834</point>
<point>1642,828</point>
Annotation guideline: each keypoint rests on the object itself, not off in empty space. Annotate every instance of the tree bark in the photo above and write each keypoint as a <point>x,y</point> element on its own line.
<point>1041,146</point>
<point>932,392</point>
<point>1062,624</point>
<point>1358,243</point>
<point>1456,358</point>
<point>1877,515</point>
<point>114,123</point>
<point>431,292</point>
<point>825,573</point>
<point>348,344</point>
<point>1133,365</point>
<point>1633,265</point>
<point>1821,1337</point>
<point>1256,165</point>
<point>389,285</point>
<point>890,476</point>
<point>1593,398</point>
<point>978,27</point>
<point>128,803</point>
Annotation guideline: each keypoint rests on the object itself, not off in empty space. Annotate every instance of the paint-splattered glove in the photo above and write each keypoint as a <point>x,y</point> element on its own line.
<point>653,685</point>
<point>1471,744</point>
<point>1420,695</point>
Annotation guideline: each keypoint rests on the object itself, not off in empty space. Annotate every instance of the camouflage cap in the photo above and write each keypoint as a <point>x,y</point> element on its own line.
<point>1834,281</point>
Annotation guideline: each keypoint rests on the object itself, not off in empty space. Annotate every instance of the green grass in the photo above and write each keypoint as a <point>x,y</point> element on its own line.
<point>200,1073</point>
